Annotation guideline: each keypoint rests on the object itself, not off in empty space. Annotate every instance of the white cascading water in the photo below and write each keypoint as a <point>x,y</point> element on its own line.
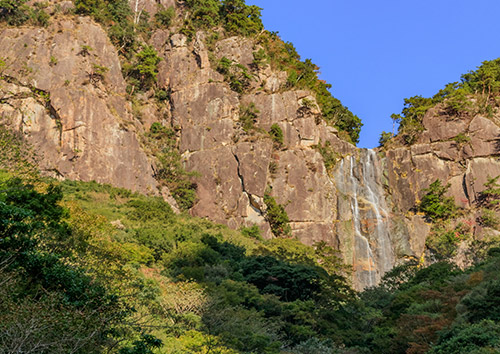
<point>359,184</point>
<point>366,273</point>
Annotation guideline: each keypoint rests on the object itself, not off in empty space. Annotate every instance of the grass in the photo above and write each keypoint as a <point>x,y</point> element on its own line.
<point>138,212</point>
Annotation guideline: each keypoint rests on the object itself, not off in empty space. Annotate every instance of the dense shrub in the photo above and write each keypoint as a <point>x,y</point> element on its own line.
<point>276,134</point>
<point>444,241</point>
<point>45,284</point>
<point>14,12</point>
<point>241,19</point>
<point>490,197</point>
<point>204,13</point>
<point>434,203</point>
<point>385,137</point>
<point>248,116</point>
<point>277,217</point>
<point>289,282</point>
<point>143,71</point>
<point>482,337</point>
<point>235,16</point>
<point>163,145</point>
<point>237,75</point>
<point>164,16</point>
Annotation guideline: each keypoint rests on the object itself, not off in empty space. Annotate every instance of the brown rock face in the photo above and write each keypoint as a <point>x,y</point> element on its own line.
<point>81,127</point>
<point>464,163</point>
<point>463,152</point>
<point>237,167</point>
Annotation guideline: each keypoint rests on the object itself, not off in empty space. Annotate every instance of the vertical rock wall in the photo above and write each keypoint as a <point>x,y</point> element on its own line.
<point>236,167</point>
<point>82,128</point>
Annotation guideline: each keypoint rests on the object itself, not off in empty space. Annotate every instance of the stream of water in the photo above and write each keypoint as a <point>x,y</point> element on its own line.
<point>358,182</point>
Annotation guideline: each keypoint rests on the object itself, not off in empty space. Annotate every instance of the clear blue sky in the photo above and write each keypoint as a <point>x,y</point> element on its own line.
<point>376,53</point>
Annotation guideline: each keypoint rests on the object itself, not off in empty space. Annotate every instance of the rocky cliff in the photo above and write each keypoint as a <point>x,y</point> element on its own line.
<point>84,125</point>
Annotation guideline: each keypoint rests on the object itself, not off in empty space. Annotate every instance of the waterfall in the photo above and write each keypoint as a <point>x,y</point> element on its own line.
<point>364,220</point>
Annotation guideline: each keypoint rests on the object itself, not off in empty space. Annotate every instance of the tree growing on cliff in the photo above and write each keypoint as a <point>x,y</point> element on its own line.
<point>164,16</point>
<point>204,13</point>
<point>435,205</point>
<point>277,217</point>
<point>144,71</point>
<point>241,19</point>
<point>13,11</point>
<point>385,137</point>
<point>276,134</point>
<point>490,197</point>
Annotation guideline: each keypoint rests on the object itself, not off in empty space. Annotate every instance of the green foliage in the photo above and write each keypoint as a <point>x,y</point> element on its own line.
<point>67,272</point>
<point>475,93</point>
<point>277,217</point>
<point>251,232</point>
<point>248,116</point>
<point>3,64</point>
<point>163,145</point>
<point>489,218</point>
<point>116,263</point>
<point>286,281</point>
<point>304,74</point>
<point>237,75</point>
<point>436,309</point>
<point>333,111</point>
<point>144,70</point>
<point>14,12</point>
<point>330,156</point>
<point>162,95</point>
<point>385,137</point>
<point>482,337</point>
<point>117,16</point>
<point>411,117</point>
<point>259,58</point>
<point>276,134</point>
<point>434,203</point>
<point>293,251</point>
<point>241,19</point>
<point>314,346</point>
<point>235,16</point>
<point>490,197</point>
<point>17,155</point>
<point>485,80</point>
<point>204,13</point>
<point>462,139</point>
<point>143,346</point>
<point>457,103</point>
<point>70,308</point>
<point>164,16</point>
<point>482,303</point>
<point>443,242</point>
<point>99,72</point>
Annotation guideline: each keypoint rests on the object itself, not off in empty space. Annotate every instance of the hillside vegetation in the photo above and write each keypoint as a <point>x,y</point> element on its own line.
<point>476,93</point>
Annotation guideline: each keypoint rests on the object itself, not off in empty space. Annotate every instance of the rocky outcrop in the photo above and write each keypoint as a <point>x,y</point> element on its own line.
<point>237,167</point>
<point>77,118</point>
<point>461,151</point>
